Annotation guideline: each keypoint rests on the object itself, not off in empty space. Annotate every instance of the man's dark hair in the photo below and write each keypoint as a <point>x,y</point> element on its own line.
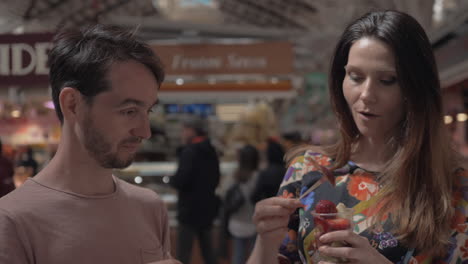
<point>81,58</point>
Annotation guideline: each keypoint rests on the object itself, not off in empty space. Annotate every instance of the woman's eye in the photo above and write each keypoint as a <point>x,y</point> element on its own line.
<point>388,81</point>
<point>354,77</point>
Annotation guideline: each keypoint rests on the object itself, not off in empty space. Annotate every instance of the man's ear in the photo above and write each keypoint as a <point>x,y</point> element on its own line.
<point>70,100</point>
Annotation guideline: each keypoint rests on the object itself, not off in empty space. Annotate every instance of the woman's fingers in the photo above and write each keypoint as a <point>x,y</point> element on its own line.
<point>270,211</point>
<point>274,207</point>
<point>341,252</point>
<point>344,235</point>
<point>269,224</point>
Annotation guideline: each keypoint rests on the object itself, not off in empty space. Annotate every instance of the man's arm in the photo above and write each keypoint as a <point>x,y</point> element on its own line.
<point>12,250</point>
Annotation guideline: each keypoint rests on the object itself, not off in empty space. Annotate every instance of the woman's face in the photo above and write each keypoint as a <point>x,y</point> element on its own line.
<point>371,88</point>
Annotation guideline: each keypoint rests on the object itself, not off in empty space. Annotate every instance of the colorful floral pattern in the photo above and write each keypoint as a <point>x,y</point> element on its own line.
<point>363,186</point>
<point>357,188</point>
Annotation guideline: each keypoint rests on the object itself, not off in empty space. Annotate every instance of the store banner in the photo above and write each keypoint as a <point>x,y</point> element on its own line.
<point>200,59</point>
<point>23,58</point>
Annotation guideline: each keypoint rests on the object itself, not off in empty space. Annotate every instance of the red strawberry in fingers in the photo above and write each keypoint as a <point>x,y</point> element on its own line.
<point>338,224</point>
<point>325,207</point>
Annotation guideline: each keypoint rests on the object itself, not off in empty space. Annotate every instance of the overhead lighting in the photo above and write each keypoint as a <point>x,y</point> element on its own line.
<point>448,119</point>
<point>179,81</point>
<point>138,179</point>
<point>462,117</point>
<point>49,104</point>
<point>15,113</point>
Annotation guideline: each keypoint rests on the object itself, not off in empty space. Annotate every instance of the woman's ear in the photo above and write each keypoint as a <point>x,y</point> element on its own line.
<point>69,99</point>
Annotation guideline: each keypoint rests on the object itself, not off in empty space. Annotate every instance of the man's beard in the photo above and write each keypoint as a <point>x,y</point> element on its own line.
<point>101,150</point>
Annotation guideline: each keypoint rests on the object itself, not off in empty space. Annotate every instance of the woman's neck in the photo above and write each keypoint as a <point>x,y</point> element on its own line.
<point>372,154</point>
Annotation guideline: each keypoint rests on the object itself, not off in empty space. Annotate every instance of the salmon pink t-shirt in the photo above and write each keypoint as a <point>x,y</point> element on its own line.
<point>42,225</point>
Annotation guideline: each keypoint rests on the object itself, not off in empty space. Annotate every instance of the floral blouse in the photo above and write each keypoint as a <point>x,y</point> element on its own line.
<point>356,188</point>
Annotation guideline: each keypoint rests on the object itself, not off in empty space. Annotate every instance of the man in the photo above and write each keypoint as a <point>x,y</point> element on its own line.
<point>104,84</point>
<point>196,179</point>
<point>6,174</point>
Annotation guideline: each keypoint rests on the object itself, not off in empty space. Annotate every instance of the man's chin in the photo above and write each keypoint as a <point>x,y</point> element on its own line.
<point>122,164</point>
<point>117,163</point>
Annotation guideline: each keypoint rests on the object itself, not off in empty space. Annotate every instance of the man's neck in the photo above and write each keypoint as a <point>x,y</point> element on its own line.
<point>75,171</point>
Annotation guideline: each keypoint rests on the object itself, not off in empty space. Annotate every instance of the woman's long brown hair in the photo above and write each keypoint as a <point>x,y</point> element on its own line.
<point>418,180</point>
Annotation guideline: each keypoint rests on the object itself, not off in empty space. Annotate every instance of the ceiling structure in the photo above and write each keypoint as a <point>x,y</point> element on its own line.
<point>312,25</point>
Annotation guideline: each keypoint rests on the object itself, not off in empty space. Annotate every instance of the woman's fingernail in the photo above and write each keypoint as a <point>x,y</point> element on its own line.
<point>323,238</point>
<point>322,248</point>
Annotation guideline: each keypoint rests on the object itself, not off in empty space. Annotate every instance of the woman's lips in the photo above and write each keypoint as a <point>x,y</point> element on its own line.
<point>367,116</point>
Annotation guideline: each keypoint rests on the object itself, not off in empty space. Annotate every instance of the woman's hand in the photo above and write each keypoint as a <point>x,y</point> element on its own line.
<point>360,250</point>
<point>271,218</point>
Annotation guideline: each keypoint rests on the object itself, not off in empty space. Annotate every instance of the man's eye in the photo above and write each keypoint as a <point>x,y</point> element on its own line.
<point>388,81</point>
<point>129,112</point>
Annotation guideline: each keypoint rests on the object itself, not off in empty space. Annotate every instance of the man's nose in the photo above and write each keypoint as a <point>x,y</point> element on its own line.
<point>143,130</point>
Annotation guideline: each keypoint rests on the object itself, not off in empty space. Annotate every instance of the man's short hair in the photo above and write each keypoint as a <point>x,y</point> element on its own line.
<point>81,58</point>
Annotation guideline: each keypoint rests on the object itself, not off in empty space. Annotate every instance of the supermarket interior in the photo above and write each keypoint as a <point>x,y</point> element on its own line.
<point>252,70</point>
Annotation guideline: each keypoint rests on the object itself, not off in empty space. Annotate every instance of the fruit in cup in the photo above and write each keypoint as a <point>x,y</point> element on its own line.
<point>338,224</point>
<point>327,219</point>
<point>325,207</point>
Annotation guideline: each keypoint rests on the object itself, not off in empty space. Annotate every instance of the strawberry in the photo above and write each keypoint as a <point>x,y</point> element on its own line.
<point>338,224</point>
<point>325,207</point>
<point>321,224</point>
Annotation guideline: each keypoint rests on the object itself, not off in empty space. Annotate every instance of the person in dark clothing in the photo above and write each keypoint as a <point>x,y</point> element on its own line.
<point>27,160</point>
<point>269,179</point>
<point>290,140</point>
<point>196,179</point>
<point>6,174</point>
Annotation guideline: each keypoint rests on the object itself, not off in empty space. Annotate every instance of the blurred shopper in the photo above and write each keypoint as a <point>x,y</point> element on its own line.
<point>6,174</point>
<point>196,180</point>
<point>290,140</point>
<point>269,179</point>
<point>393,163</point>
<point>104,83</point>
<point>239,207</point>
<point>27,160</point>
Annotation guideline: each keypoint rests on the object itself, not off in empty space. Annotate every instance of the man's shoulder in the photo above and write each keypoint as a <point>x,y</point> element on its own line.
<point>24,198</point>
<point>138,193</point>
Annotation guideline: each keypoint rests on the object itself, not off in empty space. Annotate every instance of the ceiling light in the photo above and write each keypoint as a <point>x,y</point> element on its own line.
<point>179,81</point>
<point>15,113</point>
<point>462,117</point>
<point>448,119</point>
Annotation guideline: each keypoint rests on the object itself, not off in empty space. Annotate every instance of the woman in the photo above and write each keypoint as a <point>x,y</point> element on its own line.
<point>241,208</point>
<point>393,163</point>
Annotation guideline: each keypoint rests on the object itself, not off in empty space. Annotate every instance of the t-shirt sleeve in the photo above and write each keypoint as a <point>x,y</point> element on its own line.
<point>165,231</point>
<point>458,250</point>
<point>302,173</point>
<point>290,188</point>
<point>12,250</point>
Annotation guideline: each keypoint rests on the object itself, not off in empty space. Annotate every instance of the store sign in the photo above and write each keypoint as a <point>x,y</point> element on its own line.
<point>23,58</point>
<point>257,58</point>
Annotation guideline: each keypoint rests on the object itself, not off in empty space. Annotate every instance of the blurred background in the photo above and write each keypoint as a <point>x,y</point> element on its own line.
<point>255,70</point>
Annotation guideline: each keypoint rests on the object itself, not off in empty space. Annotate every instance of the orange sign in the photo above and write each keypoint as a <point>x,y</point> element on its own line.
<point>198,59</point>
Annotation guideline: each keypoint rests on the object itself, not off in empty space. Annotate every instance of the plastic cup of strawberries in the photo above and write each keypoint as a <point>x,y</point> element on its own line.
<point>329,218</point>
